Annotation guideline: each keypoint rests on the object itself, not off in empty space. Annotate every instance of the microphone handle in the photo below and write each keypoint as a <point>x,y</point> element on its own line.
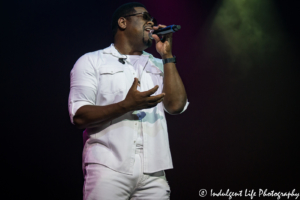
<point>166,30</point>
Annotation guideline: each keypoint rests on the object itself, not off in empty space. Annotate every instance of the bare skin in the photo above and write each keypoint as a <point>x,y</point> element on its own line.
<point>132,39</point>
<point>91,116</point>
<point>175,98</point>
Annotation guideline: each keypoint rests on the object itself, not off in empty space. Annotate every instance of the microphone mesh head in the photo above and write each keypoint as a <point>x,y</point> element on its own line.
<point>177,27</point>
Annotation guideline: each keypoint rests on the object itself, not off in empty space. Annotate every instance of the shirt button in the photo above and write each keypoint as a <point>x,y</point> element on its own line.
<point>135,123</point>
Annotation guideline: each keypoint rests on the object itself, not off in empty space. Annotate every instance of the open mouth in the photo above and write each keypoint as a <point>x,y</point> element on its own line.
<point>148,29</point>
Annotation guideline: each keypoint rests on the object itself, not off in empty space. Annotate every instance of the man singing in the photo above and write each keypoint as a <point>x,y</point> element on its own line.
<point>119,94</point>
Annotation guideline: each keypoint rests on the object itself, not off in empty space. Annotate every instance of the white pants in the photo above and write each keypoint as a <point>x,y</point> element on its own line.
<point>103,183</point>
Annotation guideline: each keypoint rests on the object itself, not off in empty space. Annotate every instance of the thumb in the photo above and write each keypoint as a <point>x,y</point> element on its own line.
<point>134,84</point>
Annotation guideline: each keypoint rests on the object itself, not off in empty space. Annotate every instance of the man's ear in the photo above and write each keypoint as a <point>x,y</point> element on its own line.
<point>122,23</point>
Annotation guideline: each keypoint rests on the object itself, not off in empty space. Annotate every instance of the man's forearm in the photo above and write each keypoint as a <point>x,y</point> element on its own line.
<point>175,98</point>
<point>89,116</point>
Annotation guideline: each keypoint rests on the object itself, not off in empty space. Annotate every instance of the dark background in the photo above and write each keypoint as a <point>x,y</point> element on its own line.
<point>239,132</point>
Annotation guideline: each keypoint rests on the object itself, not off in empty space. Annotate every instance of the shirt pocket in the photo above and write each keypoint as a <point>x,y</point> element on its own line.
<point>111,80</point>
<point>156,78</point>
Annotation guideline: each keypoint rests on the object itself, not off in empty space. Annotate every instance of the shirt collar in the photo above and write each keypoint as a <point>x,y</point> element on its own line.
<point>112,50</point>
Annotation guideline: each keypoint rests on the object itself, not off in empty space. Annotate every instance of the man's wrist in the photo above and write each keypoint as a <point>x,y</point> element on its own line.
<point>123,107</point>
<point>169,60</point>
<point>167,56</point>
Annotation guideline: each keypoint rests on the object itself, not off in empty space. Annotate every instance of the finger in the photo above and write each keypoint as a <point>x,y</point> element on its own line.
<point>161,26</point>
<point>151,91</point>
<point>156,38</point>
<point>153,99</point>
<point>134,84</point>
<point>155,27</point>
<point>157,102</point>
<point>150,105</point>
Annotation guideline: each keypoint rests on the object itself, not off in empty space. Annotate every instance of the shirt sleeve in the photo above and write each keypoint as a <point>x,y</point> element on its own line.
<point>83,85</point>
<point>185,107</point>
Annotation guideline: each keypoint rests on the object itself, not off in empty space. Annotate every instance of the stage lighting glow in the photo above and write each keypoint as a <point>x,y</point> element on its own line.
<point>246,30</point>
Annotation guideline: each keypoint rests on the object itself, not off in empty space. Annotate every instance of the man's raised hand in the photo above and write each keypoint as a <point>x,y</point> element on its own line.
<point>164,45</point>
<point>136,100</point>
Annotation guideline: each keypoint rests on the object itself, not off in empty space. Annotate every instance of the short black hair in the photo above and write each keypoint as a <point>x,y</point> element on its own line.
<point>125,9</point>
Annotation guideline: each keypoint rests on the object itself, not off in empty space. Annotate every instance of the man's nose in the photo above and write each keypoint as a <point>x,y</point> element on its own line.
<point>151,23</point>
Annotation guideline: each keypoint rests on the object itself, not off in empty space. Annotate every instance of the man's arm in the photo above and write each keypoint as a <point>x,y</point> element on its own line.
<point>89,116</point>
<point>175,98</point>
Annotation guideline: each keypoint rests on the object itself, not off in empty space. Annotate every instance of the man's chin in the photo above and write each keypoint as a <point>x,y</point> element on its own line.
<point>148,43</point>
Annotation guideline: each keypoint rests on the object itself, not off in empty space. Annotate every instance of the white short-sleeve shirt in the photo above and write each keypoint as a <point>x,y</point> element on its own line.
<point>98,78</point>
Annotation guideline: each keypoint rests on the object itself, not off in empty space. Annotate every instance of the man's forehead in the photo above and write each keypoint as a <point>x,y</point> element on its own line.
<point>140,9</point>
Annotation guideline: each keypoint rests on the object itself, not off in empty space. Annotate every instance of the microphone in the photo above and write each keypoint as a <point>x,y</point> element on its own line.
<point>166,30</point>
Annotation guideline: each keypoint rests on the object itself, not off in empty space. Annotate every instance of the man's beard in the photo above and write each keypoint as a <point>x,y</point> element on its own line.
<point>148,42</point>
